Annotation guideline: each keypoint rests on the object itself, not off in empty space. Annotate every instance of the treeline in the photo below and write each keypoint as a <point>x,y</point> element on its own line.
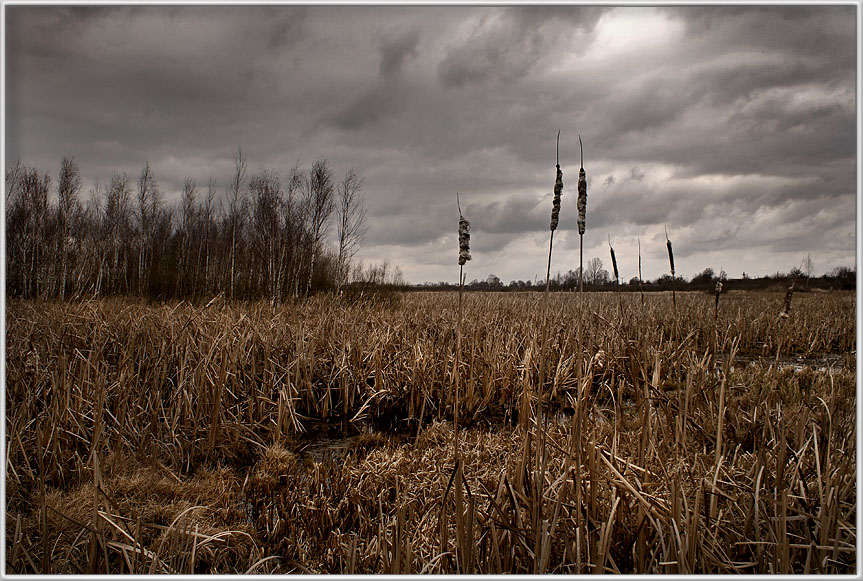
<point>265,237</point>
<point>840,278</point>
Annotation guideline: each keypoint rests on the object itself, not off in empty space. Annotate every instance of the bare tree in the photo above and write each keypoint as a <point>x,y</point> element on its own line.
<point>269,237</point>
<point>35,190</point>
<point>321,204</point>
<point>26,229</point>
<point>207,219</point>
<point>148,204</point>
<point>16,217</point>
<point>266,232</point>
<point>351,222</point>
<point>808,267</point>
<point>186,235</point>
<point>234,208</point>
<point>67,202</point>
<point>115,224</point>
<point>594,273</point>
<point>296,212</point>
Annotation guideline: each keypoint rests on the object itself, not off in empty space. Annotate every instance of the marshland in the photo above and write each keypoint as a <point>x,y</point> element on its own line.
<point>214,363</point>
<point>318,436</point>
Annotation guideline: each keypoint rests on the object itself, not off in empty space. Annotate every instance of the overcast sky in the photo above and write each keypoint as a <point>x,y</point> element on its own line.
<point>734,126</point>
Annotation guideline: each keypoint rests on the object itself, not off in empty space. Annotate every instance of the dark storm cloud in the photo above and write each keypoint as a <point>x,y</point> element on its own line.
<point>285,30</point>
<point>505,46</point>
<point>375,104</point>
<point>396,51</point>
<point>151,82</point>
<point>733,125</point>
<point>515,215</point>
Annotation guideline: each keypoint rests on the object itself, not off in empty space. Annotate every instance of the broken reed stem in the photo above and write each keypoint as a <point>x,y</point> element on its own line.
<point>786,309</point>
<point>786,312</point>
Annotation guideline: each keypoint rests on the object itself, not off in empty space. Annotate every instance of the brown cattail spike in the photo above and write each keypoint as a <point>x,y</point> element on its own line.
<point>463,236</point>
<point>613,261</point>
<point>558,189</point>
<point>582,191</point>
<point>670,252</point>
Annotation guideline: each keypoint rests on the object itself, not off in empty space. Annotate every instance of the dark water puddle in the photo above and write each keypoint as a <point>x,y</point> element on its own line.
<point>323,439</point>
<point>824,363</point>
<point>335,439</point>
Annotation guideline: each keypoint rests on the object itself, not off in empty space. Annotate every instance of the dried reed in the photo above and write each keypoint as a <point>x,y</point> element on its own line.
<point>640,283</point>
<point>730,469</point>
<point>671,263</point>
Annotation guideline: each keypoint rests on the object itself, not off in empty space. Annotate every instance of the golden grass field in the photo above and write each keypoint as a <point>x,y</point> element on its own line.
<point>146,438</point>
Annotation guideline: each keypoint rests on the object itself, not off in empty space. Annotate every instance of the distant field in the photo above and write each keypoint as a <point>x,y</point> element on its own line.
<point>177,438</point>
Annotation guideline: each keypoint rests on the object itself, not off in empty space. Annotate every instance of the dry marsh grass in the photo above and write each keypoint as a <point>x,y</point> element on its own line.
<point>145,438</point>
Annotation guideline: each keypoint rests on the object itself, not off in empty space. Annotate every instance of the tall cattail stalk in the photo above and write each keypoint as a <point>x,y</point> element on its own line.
<point>463,257</point>
<point>716,302</point>
<point>540,448</point>
<point>718,290</point>
<point>582,210</point>
<point>640,282</point>
<point>671,262</point>
<point>616,274</point>
<point>555,212</point>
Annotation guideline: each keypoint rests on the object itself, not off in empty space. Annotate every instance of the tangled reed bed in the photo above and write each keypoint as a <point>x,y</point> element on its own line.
<point>144,438</point>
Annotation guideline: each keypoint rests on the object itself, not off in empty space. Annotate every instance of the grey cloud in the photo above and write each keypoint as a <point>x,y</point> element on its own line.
<point>516,214</point>
<point>286,29</point>
<point>386,96</point>
<point>396,51</point>
<point>371,106</point>
<point>506,45</point>
<point>750,111</point>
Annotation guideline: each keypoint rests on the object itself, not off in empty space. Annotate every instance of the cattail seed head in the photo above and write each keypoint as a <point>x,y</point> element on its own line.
<point>582,199</point>
<point>555,205</point>
<point>670,253</point>
<point>463,240</point>
<point>613,261</point>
